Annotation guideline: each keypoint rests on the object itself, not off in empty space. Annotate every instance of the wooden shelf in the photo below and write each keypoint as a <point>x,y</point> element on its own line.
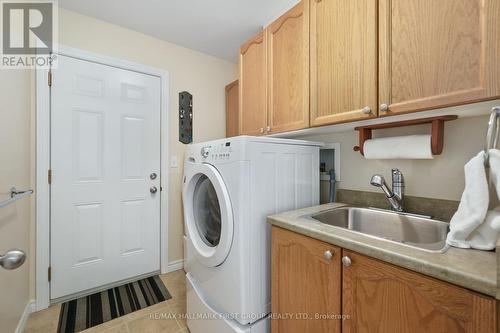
<point>437,132</point>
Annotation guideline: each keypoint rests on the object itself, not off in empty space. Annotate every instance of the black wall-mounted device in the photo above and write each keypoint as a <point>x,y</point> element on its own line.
<point>185,117</point>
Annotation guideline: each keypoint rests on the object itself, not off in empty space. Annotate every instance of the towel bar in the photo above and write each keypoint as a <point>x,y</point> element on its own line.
<point>492,134</point>
<point>14,196</point>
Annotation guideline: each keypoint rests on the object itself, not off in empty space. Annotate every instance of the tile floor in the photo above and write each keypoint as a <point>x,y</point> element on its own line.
<point>164,317</point>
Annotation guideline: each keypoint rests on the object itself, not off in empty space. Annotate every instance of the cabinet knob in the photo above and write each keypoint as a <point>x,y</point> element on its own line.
<point>346,261</point>
<point>328,255</point>
<point>262,129</point>
<point>268,128</point>
<point>366,110</point>
<point>384,107</point>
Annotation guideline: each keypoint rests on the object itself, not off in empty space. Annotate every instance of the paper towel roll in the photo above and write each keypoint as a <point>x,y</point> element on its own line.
<point>399,147</point>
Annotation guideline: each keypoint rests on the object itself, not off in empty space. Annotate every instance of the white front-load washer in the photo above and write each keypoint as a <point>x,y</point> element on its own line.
<point>230,187</point>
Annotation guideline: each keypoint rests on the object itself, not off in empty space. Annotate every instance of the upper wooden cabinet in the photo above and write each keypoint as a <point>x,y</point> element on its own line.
<point>288,70</point>
<point>305,281</point>
<point>343,60</point>
<point>436,54</point>
<point>253,78</point>
<point>232,100</point>
<point>380,297</point>
<point>360,59</point>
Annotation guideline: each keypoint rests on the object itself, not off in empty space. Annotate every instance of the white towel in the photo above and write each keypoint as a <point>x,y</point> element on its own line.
<point>473,226</point>
<point>485,236</point>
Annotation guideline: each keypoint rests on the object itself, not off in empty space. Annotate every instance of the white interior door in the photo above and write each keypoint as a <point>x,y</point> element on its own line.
<point>105,146</point>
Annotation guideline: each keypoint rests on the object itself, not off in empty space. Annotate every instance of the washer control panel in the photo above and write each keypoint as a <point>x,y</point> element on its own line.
<point>218,152</point>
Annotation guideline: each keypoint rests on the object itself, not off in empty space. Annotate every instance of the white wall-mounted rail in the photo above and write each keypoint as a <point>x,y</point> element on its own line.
<point>14,196</point>
<point>493,134</point>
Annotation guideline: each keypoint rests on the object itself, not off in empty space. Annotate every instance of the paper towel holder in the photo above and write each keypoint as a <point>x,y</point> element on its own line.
<point>437,132</point>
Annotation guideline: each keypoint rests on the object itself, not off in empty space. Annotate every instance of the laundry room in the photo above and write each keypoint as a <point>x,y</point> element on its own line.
<point>248,166</point>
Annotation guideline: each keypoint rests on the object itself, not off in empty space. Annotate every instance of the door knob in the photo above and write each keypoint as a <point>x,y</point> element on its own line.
<point>153,176</point>
<point>12,259</point>
<point>153,189</point>
<point>346,261</point>
<point>328,255</point>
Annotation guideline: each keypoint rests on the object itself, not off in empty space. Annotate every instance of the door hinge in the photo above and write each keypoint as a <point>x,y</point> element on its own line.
<point>49,176</point>
<point>49,79</point>
<point>49,273</point>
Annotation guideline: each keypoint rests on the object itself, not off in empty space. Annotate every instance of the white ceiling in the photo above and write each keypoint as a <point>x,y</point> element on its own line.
<point>216,27</point>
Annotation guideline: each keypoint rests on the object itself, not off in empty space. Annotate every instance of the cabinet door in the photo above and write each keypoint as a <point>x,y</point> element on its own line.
<point>438,53</point>
<point>380,297</point>
<point>305,284</point>
<point>253,105</point>
<point>232,124</point>
<point>288,70</point>
<point>343,60</point>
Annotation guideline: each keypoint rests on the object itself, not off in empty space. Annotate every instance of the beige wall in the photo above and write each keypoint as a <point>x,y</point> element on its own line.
<point>440,178</point>
<point>15,170</point>
<point>203,76</point>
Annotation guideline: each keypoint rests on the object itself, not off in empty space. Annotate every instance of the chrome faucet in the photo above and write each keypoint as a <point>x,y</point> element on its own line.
<point>396,195</point>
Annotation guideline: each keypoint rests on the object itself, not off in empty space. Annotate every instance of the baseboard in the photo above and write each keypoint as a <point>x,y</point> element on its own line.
<point>175,265</point>
<point>29,309</point>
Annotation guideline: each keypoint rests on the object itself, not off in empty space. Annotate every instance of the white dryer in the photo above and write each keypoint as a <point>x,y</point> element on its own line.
<point>230,187</point>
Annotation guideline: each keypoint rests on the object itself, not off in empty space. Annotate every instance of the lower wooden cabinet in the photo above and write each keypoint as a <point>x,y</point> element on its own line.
<point>305,284</point>
<point>380,297</point>
<point>371,296</point>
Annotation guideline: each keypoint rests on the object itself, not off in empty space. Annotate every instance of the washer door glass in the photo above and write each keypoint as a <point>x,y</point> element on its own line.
<point>206,211</point>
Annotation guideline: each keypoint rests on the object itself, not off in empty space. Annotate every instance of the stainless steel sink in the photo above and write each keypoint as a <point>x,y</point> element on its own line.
<point>412,230</point>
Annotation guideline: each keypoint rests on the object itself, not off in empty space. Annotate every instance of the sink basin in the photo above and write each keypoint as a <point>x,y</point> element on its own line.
<point>411,230</point>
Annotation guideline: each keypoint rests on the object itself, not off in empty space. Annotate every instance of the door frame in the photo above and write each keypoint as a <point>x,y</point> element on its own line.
<point>43,158</point>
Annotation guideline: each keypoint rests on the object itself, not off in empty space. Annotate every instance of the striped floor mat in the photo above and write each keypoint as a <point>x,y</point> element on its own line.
<point>85,312</point>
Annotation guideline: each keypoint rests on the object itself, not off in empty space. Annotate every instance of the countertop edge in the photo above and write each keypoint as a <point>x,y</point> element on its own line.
<point>436,271</point>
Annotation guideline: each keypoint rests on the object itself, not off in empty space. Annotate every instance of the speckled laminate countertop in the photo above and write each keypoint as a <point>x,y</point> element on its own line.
<point>472,269</point>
